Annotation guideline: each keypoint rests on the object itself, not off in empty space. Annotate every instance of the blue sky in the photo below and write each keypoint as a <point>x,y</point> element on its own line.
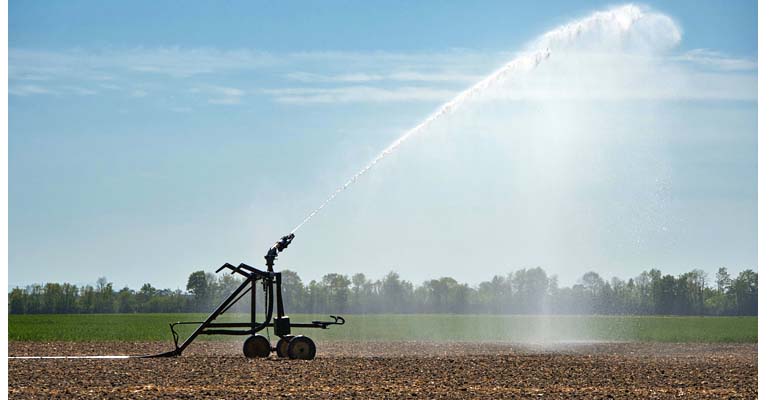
<point>151,139</point>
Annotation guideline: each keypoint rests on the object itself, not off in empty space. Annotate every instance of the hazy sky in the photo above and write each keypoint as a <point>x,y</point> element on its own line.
<point>151,139</point>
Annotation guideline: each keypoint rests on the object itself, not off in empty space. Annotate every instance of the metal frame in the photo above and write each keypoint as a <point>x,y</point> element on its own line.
<point>271,285</point>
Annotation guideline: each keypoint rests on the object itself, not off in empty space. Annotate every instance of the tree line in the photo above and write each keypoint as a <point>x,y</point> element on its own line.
<point>526,291</point>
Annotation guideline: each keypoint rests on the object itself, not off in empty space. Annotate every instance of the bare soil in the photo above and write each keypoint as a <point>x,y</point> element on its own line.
<point>389,370</point>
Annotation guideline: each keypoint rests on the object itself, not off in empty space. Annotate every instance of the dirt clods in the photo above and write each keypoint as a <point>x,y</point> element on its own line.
<point>390,370</point>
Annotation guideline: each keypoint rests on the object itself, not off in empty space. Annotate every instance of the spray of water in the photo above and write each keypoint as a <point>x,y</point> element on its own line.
<point>616,21</point>
<point>524,62</point>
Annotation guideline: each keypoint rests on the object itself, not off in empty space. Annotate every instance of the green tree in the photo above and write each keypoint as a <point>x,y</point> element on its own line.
<point>745,290</point>
<point>104,296</point>
<point>664,295</point>
<point>198,285</point>
<point>361,293</point>
<point>695,286</point>
<point>53,298</point>
<point>143,298</point>
<point>723,280</point>
<point>294,292</point>
<point>494,296</point>
<point>338,289</point>
<point>125,301</point>
<point>395,293</point>
<point>70,293</point>
<point>316,297</point>
<point>594,286</point>
<point>17,301</point>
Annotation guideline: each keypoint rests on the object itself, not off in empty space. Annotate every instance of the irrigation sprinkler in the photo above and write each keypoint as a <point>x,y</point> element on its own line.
<point>256,345</point>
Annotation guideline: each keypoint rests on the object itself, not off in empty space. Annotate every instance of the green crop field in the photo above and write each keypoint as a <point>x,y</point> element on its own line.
<point>514,328</point>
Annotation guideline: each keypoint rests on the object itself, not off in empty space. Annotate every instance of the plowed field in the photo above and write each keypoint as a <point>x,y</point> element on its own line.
<point>389,370</point>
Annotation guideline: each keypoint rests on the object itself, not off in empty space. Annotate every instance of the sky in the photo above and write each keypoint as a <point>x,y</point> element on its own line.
<point>151,139</point>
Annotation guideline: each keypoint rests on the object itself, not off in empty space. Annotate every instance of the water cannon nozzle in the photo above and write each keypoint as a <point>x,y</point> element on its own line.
<point>284,242</point>
<point>278,247</point>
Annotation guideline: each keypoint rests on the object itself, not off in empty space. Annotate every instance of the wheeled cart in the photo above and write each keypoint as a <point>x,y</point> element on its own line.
<point>256,345</point>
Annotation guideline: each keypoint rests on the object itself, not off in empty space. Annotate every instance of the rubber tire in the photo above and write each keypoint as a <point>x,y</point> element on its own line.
<point>256,346</point>
<point>282,347</point>
<point>301,348</point>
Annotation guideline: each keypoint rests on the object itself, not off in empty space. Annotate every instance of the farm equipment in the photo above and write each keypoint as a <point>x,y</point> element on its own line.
<point>256,345</point>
